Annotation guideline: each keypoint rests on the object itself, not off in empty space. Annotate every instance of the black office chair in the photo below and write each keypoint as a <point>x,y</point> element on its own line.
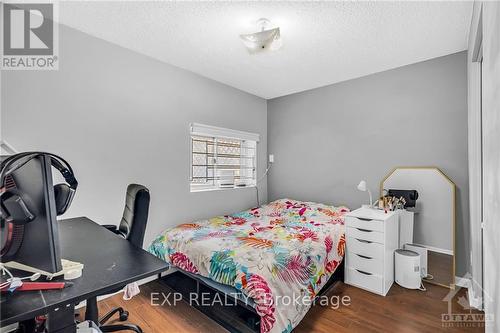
<point>132,227</point>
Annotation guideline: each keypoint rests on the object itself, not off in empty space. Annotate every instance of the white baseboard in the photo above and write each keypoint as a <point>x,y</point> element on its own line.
<point>140,283</point>
<point>475,302</point>
<point>462,282</point>
<point>436,249</point>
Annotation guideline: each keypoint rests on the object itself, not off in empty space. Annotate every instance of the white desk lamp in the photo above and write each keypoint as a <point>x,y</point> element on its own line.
<point>362,187</point>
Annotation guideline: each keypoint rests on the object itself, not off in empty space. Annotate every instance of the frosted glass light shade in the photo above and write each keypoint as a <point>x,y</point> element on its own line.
<point>262,40</point>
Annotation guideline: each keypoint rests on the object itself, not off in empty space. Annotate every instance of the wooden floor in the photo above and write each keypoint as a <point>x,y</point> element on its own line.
<point>401,310</point>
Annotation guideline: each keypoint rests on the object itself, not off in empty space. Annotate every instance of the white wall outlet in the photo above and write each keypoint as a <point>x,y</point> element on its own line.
<point>271,158</point>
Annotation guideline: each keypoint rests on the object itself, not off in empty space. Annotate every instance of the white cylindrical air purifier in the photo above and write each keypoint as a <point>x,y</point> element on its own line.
<point>407,267</point>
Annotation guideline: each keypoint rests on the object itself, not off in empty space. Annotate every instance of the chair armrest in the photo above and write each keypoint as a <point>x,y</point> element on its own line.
<point>111,227</point>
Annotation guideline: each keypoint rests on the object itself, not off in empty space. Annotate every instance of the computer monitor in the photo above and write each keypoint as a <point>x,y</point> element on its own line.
<point>39,247</point>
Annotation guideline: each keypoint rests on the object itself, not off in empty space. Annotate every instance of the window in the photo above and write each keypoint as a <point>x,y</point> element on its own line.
<point>222,158</point>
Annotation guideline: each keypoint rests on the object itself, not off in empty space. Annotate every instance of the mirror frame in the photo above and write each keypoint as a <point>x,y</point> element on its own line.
<point>454,222</point>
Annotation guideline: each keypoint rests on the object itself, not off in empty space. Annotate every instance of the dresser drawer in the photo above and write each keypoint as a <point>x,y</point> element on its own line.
<point>364,280</point>
<point>366,248</point>
<point>367,224</point>
<point>361,233</point>
<point>364,263</point>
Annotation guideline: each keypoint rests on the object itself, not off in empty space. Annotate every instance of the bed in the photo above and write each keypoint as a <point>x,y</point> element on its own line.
<point>277,257</point>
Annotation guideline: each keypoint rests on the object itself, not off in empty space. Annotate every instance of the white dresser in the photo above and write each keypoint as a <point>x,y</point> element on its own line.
<point>371,239</point>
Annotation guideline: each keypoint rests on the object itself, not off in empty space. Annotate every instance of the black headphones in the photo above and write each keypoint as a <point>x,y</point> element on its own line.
<point>15,205</point>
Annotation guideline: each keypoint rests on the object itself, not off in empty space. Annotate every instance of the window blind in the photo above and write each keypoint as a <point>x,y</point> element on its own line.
<point>222,158</point>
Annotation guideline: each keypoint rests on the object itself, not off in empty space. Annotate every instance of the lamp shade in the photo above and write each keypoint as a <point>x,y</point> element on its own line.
<point>264,39</point>
<point>362,186</point>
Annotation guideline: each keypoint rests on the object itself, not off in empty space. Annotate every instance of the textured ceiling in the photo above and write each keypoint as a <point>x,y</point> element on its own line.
<point>323,42</point>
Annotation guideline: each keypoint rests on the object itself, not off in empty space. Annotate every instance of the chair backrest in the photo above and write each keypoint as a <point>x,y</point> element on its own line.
<point>135,214</point>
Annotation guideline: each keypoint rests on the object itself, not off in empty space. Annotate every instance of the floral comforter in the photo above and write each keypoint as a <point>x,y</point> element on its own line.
<point>285,250</point>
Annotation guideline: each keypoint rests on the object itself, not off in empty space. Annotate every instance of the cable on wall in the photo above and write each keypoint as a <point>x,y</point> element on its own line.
<point>260,179</point>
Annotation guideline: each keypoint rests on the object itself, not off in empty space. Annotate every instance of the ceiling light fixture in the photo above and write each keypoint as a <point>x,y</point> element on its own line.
<point>263,40</point>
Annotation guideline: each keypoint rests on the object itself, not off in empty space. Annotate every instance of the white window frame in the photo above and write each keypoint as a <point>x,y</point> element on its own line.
<point>197,129</point>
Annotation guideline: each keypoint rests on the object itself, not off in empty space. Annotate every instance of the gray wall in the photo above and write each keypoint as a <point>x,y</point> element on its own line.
<point>326,140</point>
<point>121,117</point>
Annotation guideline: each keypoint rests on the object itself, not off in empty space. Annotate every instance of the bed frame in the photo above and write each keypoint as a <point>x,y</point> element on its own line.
<point>239,316</point>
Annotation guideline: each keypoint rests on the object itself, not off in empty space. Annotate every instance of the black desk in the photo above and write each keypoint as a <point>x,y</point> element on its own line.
<point>109,262</point>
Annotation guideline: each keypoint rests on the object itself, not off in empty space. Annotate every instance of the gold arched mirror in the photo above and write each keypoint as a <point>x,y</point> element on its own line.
<point>432,219</point>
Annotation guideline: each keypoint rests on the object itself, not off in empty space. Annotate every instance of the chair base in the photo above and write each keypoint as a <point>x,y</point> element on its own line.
<point>122,313</point>
<point>120,327</point>
<point>92,314</point>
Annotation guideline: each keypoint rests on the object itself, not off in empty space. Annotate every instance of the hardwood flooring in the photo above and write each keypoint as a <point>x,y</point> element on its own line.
<point>402,310</point>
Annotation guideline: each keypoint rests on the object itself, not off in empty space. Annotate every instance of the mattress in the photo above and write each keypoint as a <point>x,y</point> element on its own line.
<point>224,289</point>
<point>280,255</point>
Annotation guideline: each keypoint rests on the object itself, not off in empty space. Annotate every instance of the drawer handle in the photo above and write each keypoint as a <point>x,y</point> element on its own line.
<point>363,241</point>
<point>364,219</point>
<point>364,230</point>
<point>364,257</point>
<point>363,272</point>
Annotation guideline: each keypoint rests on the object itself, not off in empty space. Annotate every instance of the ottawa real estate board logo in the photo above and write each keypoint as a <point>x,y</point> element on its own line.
<point>30,36</point>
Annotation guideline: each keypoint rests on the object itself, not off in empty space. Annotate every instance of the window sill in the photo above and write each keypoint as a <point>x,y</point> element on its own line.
<point>210,189</point>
